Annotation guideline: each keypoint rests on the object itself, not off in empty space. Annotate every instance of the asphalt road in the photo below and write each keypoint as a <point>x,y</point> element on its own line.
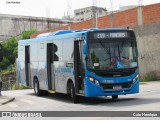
<point>147,100</point>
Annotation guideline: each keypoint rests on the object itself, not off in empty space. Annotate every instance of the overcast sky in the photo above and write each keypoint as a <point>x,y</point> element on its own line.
<point>57,8</point>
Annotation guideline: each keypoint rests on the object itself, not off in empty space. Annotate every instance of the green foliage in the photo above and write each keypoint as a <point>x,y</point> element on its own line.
<point>10,50</point>
<point>10,69</point>
<point>19,87</point>
<point>152,76</point>
<point>27,34</point>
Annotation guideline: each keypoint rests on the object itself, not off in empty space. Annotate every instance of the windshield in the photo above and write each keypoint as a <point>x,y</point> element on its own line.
<point>112,55</point>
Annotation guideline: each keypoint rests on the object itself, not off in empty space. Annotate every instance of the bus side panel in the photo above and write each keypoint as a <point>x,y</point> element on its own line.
<point>21,64</point>
<point>21,73</point>
<point>68,61</point>
<point>42,75</point>
<point>42,65</point>
<point>64,67</point>
<point>33,57</point>
<point>57,69</point>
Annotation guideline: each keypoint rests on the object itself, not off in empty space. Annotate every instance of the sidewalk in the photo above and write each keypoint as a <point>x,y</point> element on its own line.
<point>5,99</point>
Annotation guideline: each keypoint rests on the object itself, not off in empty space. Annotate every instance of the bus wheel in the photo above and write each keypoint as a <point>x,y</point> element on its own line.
<point>114,97</point>
<point>74,97</point>
<point>37,91</point>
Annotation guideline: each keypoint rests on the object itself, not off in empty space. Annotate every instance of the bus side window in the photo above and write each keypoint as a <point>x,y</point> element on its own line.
<point>56,58</point>
<point>55,48</point>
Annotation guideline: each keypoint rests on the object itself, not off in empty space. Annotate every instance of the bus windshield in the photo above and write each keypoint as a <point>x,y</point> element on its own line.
<point>112,55</point>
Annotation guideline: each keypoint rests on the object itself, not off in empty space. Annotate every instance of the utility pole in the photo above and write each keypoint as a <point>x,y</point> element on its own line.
<point>94,13</point>
<point>69,8</point>
<point>48,15</point>
<point>140,2</point>
<point>69,12</point>
<point>111,15</point>
<point>139,12</point>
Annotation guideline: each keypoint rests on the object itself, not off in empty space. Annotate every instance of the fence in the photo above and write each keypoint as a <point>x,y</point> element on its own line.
<point>9,85</point>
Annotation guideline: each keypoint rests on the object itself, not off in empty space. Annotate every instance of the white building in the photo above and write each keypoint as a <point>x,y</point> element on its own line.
<point>88,13</point>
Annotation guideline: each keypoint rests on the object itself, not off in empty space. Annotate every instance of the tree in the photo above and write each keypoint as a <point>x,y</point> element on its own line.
<point>10,50</point>
<point>27,34</point>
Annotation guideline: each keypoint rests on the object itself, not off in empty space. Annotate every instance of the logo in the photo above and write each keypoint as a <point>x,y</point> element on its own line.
<point>21,114</point>
<point>6,114</point>
<point>108,81</point>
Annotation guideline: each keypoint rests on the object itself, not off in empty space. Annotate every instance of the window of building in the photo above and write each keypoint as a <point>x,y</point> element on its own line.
<point>77,13</point>
<point>82,13</point>
<point>82,19</point>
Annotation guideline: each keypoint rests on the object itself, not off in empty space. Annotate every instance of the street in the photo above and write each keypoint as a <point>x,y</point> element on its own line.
<point>147,100</point>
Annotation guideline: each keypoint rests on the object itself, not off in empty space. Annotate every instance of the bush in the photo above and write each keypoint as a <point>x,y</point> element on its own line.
<point>19,87</point>
<point>10,48</point>
<point>27,34</point>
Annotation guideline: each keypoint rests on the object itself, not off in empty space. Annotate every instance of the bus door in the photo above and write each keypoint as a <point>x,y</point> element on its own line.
<point>27,65</point>
<point>78,66</point>
<point>50,66</point>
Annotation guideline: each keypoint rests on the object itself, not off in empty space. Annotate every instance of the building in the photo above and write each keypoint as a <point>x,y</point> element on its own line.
<point>88,13</point>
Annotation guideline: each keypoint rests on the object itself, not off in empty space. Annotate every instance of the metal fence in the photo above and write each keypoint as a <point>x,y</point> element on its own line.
<point>9,85</point>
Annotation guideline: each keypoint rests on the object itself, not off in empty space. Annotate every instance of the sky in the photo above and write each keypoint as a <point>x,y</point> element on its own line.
<point>58,8</point>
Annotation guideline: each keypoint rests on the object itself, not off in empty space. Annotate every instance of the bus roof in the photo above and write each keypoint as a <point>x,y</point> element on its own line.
<point>65,34</point>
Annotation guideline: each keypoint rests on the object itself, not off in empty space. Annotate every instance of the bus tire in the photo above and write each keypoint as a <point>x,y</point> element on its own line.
<point>37,91</point>
<point>114,97</point>
<point>74,97</point>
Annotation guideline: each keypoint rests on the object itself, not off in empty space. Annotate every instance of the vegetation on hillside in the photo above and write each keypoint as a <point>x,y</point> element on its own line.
<point>10,52</point>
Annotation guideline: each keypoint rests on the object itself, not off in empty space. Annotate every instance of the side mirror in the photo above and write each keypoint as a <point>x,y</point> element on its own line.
<point>1,53</point>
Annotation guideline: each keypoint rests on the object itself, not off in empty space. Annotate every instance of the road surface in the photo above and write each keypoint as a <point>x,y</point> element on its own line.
<point>147,100</point>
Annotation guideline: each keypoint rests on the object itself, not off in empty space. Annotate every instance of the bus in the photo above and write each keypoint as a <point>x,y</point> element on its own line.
<point>89,63</point>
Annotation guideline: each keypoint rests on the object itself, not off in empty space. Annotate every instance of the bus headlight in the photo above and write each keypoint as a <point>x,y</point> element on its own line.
<point>94,80</point>
<point>134,79</point>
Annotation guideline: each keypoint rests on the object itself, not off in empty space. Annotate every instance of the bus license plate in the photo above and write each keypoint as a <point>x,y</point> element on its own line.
<point>117,87</point>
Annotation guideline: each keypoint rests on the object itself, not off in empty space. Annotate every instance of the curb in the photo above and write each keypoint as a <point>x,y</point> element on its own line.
<point>10,100</point>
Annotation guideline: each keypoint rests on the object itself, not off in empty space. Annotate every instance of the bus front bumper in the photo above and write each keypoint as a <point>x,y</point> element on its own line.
<point>93,90</point>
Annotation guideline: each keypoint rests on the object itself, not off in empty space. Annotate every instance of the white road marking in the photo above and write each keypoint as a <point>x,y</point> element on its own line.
<point>13,105</point>
<point>27,101</point>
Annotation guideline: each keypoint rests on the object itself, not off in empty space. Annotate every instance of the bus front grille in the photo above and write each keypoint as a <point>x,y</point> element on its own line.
<point>110,86</point>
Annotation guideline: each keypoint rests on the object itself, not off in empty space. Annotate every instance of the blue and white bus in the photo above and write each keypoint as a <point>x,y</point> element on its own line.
<point>90,63</point>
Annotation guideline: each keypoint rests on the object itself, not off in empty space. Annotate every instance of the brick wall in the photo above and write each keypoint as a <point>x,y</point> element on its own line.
<point>125,18</point>
<point>104,22</point>
<point>81,25</point>
<point>150,14</point>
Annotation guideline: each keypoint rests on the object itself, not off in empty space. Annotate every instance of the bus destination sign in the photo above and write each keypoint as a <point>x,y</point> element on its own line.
<point>102,35</point>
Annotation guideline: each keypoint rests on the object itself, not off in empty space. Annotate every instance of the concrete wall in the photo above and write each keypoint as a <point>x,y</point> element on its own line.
<point>148,39</point>
<point>13,25</point>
